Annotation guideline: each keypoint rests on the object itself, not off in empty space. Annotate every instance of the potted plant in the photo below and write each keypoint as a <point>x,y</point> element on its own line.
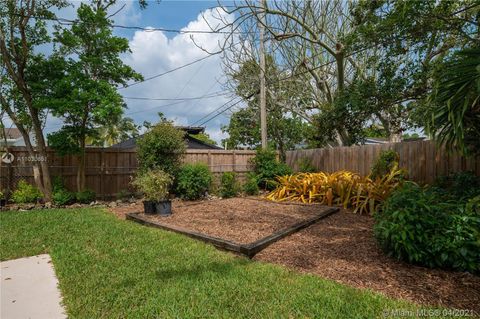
<point>155,184</point>
<point>3,201</point>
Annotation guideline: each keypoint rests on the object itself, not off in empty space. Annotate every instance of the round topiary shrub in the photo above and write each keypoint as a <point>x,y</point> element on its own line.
<point>162,147</point>
<point>193,181</point>
<point>419,226</point>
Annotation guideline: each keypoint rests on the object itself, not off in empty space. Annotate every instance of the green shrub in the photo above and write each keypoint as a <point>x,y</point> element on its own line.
<point>161,148</point>
<point>63,197</point>
<point>305,165</point>
<point>86,196</point>
<point>228,187</point>
<point>461,185</point>
<point>154,184</point>
<point>417,226</point>
<point>193,181</point>
<point>123,195</point>
<point>60,195</point>
<point>251,185</point>
<point>26,193</point>
<point>2,195</point>
<point>57,184</point>
<point>384,164</point>
<point>267,167</point>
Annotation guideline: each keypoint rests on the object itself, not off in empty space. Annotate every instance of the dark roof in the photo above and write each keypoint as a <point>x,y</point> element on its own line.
<point>196,144</point>
<point>191,129</point>
<point>192,143</point>
<point>130,143</point>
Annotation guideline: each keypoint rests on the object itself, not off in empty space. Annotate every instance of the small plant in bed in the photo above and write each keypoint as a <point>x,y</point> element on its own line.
<point>60,195</point>
<point>267,167</point>
<point>26,193</point>
<point>155,185</point>
<point>86,196</point>
<point>193,181</point>
<point>251,185</point>
<point>229,186</point>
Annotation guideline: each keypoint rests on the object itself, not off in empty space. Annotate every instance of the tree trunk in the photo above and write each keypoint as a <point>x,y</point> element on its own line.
<point>395,137</point>
<point>37,169</point>
<point>81,167</point>
<point>43,155</point>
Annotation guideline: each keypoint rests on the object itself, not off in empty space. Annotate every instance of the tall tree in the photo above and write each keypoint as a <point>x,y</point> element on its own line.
<point>26,74</point>
<point>410,40</point>
<point>87,96</point>
<point>285,129</point>
<point>308,42</point>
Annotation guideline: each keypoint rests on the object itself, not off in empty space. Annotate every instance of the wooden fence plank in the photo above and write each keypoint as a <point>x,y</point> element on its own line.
<point>422,159</point>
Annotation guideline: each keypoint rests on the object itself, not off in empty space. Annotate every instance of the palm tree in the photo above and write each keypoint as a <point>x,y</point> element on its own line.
<point>114,132</point>
<point>455,119</point>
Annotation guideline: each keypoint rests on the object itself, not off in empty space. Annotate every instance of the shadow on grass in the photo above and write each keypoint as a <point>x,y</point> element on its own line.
<point>200,270</point>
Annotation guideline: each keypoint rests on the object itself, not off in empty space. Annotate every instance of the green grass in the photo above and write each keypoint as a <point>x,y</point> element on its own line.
<point>109,268</point>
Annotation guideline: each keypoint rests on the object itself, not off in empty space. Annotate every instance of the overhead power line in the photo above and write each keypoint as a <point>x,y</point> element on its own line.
<point>221,112</point>
<point>216,94</point>
<point>65,21</point>
<point>166,72</point>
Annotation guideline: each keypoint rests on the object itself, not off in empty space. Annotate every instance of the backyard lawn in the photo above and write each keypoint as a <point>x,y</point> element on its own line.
<point>112,268</point>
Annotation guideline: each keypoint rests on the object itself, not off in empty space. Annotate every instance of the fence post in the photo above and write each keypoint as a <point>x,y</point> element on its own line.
<point>209,160</point>
<point>234,161</point>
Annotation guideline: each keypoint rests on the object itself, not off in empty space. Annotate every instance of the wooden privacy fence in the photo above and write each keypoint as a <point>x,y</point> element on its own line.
<point>422,159</point>
<point>109,170</point>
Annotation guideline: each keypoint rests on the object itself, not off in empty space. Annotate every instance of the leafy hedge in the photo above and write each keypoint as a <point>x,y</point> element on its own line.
<point>267,168</point>
<point>193,181</point>
<point>431,227</point>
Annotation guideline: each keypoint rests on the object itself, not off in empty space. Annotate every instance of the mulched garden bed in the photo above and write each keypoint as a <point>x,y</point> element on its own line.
<point>342,247</point>
<point>241,220</point>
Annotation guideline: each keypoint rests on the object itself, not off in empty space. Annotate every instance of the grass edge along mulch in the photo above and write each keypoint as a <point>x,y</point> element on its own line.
<point>110,268</point>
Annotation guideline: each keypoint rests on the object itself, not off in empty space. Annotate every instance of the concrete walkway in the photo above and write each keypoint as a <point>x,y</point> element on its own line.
<point>29,289</point>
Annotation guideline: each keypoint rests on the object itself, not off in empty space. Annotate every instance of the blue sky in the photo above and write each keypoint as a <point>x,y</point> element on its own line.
<point>157,52</point>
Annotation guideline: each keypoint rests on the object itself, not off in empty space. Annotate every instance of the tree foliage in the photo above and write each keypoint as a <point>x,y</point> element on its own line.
<point>162,147</point>
<point>285,129</point>
<point>87,96</point>
<point>25,75</point>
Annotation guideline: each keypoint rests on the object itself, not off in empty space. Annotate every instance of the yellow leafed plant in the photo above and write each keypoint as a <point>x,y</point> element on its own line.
<point>343,188</point>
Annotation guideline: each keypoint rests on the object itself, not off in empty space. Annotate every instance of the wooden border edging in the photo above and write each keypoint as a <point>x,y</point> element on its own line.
<point>248,250</point>
<point>263,243</point>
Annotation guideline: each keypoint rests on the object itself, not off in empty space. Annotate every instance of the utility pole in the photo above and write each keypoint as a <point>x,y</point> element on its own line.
<point>263,100</point>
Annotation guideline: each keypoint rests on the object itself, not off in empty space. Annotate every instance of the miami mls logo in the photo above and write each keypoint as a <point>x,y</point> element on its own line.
<point>8,158</point>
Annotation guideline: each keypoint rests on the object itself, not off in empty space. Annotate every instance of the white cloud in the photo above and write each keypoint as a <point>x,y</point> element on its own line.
<point>154,53</point>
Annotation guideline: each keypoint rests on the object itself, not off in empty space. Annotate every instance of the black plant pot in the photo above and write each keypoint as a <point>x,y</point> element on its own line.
<point>163,208</point>
<point>149,207</point>
<point>3,202</point>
